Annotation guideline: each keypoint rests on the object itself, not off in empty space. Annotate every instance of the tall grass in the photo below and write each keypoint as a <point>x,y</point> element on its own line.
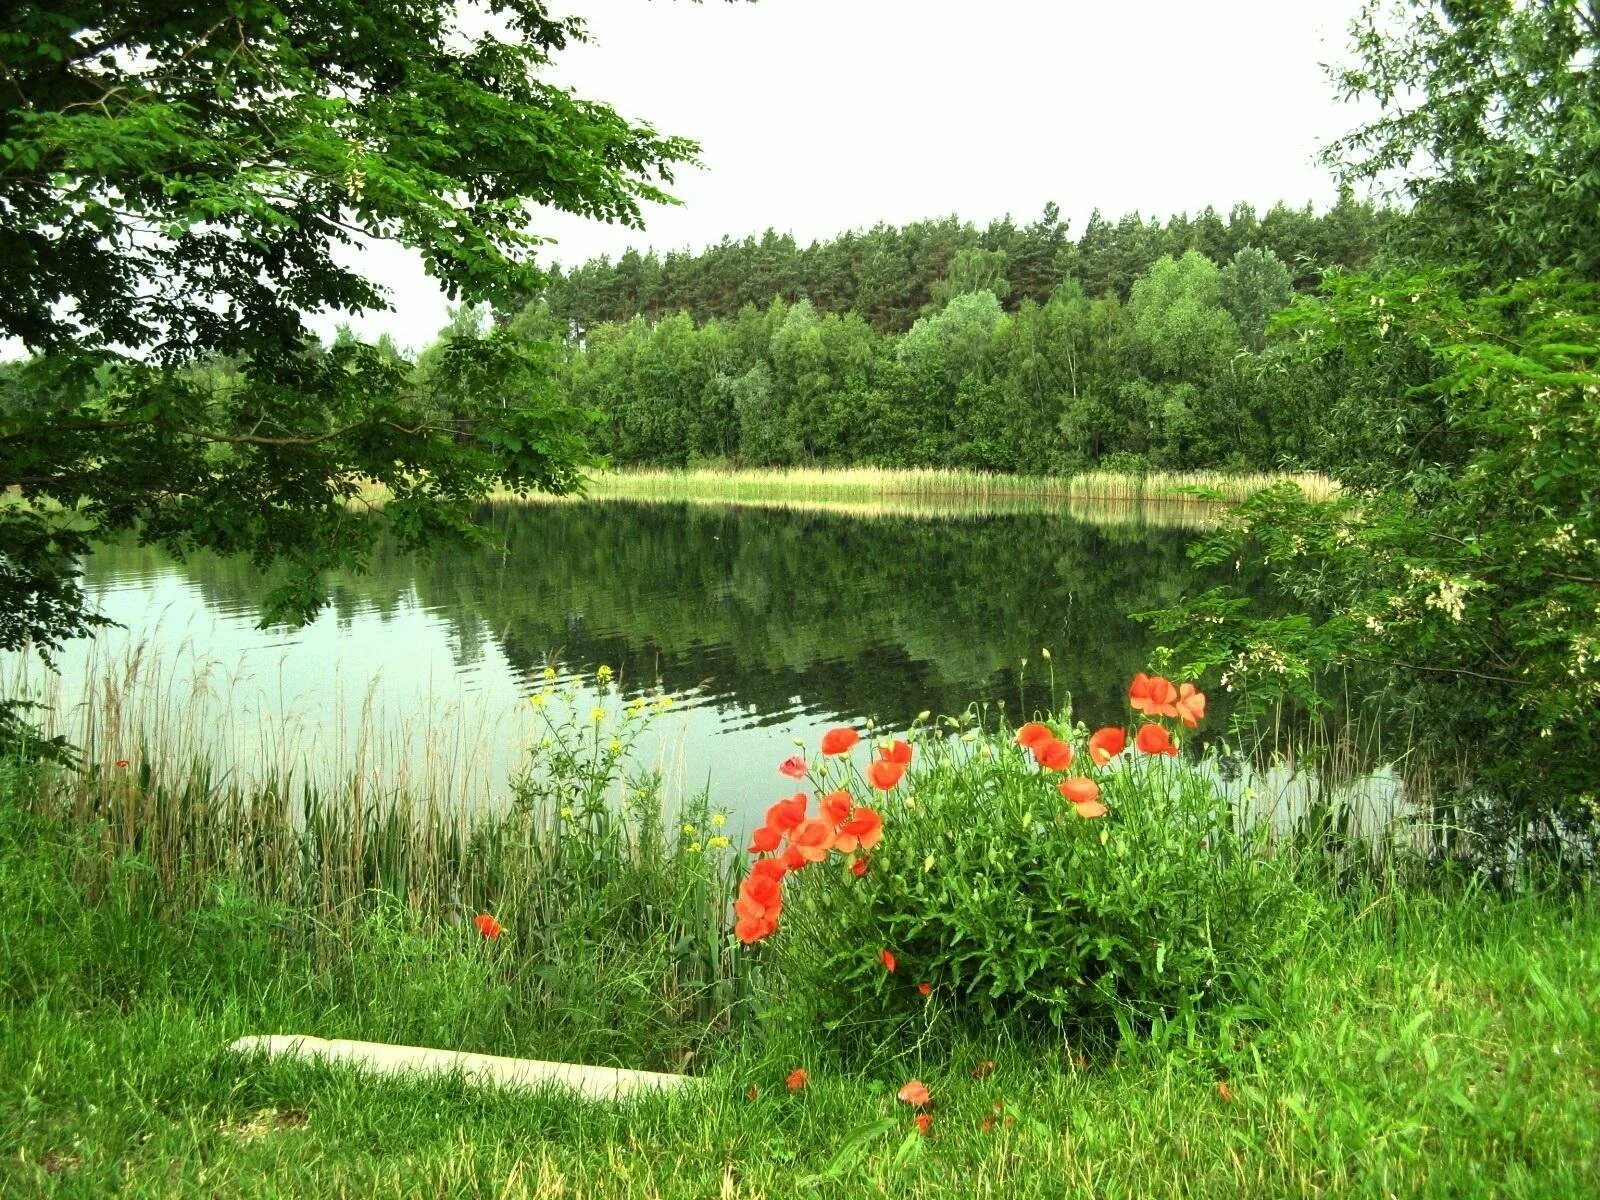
<point>1160,498</point>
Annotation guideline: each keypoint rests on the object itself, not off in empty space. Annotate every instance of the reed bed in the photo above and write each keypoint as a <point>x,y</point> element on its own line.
<point>862,484</point>
<point>1161,498</point>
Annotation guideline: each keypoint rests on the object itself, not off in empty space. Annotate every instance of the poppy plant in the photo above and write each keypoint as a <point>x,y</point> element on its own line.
<point>896,752</point>
<point>792,859</point>
<point>1154,739</point>
<point>884,775</point>
<point>839,741</point>
<point>1053,754</point>
<point>786,814</point>
<point>915,1093</point>
<point>923,1123</point>
<point>1033,733</point>
<point>1105,744</point>
<point>794,767</point>
<point>797,1079</point>
<point>1191,705</point>
<point>765,840</point>
<point>1153,696</point>
<point>862,831</point>
<point>887,958</point>
<point>812,840</point>
<point>858,868</point>
<point>836,807</point>
<point>925,989</point>
<point>488,926</point>
<point>1079,789</point>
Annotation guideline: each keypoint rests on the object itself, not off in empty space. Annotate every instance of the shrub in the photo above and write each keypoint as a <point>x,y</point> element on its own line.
<point>1049,877</point>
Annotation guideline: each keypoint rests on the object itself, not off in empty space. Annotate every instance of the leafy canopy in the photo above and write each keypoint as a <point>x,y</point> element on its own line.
<point>182,187</point>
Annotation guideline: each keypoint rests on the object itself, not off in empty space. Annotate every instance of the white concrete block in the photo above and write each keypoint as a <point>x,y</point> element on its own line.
<point>595,1083</point>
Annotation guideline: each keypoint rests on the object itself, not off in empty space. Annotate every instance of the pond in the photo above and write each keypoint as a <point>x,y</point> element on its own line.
<point>764,625</point>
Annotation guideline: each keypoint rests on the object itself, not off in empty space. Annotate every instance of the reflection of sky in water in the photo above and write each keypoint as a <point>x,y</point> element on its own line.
<point>399,700</point>
<point>764,626</point>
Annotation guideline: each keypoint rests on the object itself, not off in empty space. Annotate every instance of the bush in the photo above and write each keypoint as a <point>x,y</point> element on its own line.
<point>1080,897</point>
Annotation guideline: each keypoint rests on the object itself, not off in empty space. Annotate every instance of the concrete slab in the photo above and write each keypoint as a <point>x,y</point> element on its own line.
<point>380,1058</point>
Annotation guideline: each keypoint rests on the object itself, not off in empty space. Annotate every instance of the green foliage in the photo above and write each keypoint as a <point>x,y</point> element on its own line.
<point>1017,911</point>
<point>1461,575</point>
<point>1488,117</point>
<point>892,275</point>
<point>178,190</point>
<point>1254,286</point>
<point>1178,320</point>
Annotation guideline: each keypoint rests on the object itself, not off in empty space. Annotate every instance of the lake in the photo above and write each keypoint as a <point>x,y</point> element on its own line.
<point>764,625</point>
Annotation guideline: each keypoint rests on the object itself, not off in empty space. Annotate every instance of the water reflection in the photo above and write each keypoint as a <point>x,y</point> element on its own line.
<point>769,625</point>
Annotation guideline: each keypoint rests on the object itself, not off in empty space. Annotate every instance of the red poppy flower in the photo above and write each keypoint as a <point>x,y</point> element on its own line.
<point>122,764</point>
<point>839,741</point>
<point>765,840</point>
<point>750,930</point>
<point>792,859</point>
<point>797,1079</point>
<point>794,767</point>
<point>862,831</point>
<point>898,752</point>
<point>1105,744</point>
<point>1224,1091</point>
<point>984,1126</point>
<point>1153,696</point>
<point>836,807</point>
<point>884,775</point>
<point>786,814</point>
<point>1191,705</point>
<point>924,1123</point>
<point>1053,754</point>
<point>763,889</point>
<point>812,839</point>
<point>1154,739</point>
<point>915,1092</point>
<point>773,868</point>
<point>1032,733</point>
<point>488,926</point>
<point>887,958</point>
<point>925,988</point>
<point>1079,789</point>
<point>858,868</point>
<point>753,910</point>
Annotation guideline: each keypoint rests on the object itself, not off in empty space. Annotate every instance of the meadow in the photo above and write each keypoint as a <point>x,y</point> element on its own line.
<point>1390,1026</point>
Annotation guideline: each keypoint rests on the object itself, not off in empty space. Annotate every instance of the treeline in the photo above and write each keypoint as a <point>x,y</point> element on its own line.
<point>1179,375</point>
<point>890,275</point>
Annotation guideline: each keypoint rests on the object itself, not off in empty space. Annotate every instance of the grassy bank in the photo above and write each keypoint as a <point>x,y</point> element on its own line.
<point>1100,497</point>
<point>1424,1044</point>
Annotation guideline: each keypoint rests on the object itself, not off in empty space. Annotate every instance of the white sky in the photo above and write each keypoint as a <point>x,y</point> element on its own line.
<point>816,116</point>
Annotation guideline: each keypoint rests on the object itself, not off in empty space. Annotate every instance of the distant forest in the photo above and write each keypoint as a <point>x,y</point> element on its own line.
<point>890,275</point>
<point>1139,345</point>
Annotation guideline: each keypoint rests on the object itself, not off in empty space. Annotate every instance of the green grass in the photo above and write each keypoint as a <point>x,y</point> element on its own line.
<point>1425,1044</point>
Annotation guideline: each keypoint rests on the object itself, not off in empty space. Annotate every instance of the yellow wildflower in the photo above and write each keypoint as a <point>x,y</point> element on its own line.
<point>719,842</point>
<point>566,811</point>
<point>614,745</point>
<point>597,714</point>
<point>603,673</point>
<point>549,672</point>
<point>719,819</point>
<point>688,829</point>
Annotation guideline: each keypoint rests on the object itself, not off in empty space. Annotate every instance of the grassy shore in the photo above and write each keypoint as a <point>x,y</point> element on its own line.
<point>1102,497</point>
<point>1439,1044</point>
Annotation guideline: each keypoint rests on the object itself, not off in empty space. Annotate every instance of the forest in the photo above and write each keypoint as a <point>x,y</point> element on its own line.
<point>1138,345</point>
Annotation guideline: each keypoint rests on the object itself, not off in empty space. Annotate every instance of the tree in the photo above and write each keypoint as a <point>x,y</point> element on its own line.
<point>1457,577</point>
<point>1488,116</point>
<point>1178,318</point>
<point>1255,284</point>
<point>177,183</point>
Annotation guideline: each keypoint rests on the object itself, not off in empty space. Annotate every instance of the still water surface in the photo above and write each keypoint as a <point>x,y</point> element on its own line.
<point>765,625</point>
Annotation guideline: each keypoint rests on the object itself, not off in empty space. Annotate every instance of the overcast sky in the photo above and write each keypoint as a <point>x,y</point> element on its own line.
<point>816,116</point>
